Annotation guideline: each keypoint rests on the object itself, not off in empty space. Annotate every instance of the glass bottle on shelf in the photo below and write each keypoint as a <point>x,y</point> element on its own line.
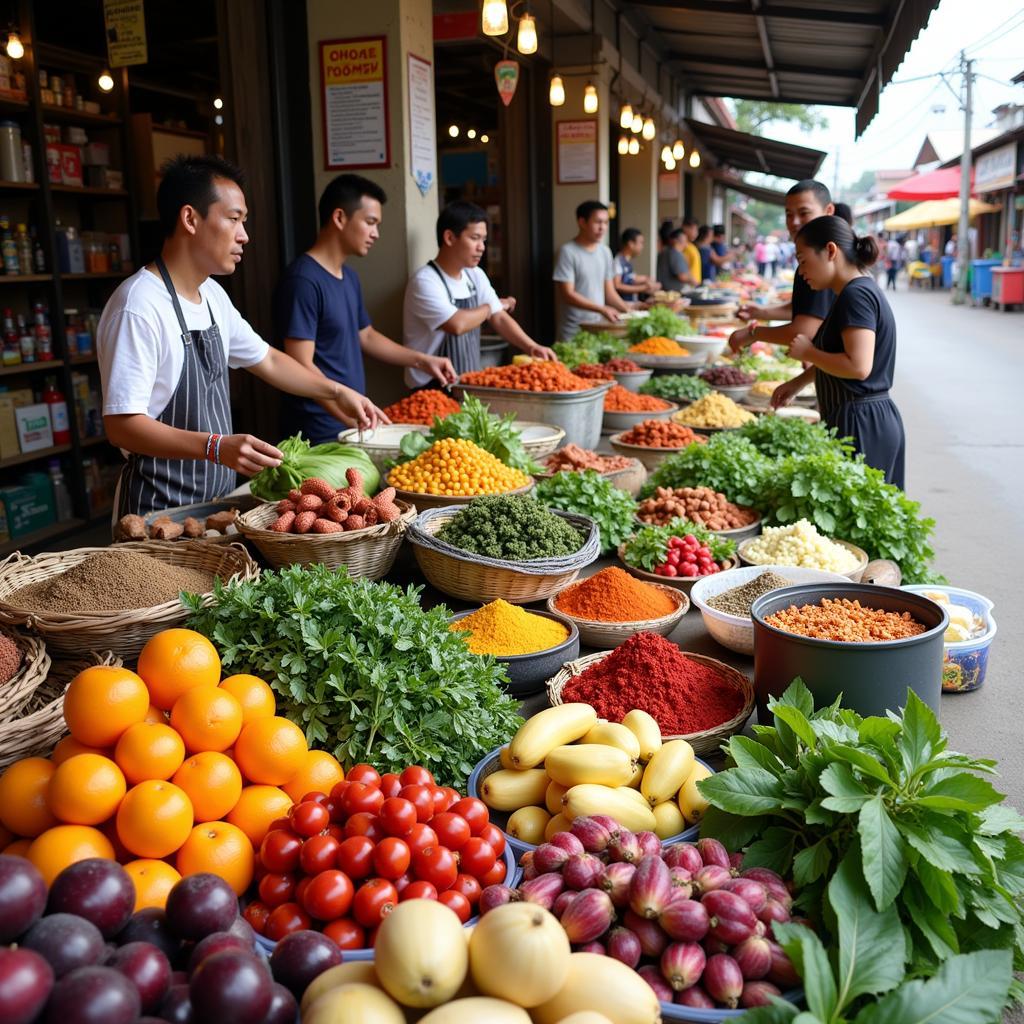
<point>70,333</point>
<point>61,495</point>
<point>8,248</point>
<point>44,336</point>
<point>27,341</point>
<point>38,256</point>
<point>12,341</point>
<point>58,412</point>
<point>24,245</point>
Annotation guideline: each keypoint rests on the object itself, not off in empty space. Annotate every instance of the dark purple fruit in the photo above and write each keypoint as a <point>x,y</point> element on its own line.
<point>22,897</point>
<point>99,890</point>
<point>146,967</point>
<point>93,995</point>
<point>177,1006</point>
<point>150,925</point>
<point>298,958</point>
<point>232,988</point>
<point>200,905</point>
<point>243,930</point>
<point>215,943</point>
<point>26,981</point>
<point>65,942</point>
<point>283,1008</point>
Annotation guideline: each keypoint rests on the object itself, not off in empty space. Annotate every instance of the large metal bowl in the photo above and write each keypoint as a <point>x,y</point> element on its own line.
<point>616,422</point>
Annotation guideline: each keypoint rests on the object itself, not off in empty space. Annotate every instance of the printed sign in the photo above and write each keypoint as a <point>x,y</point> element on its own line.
<point>353,79</point>
<point>506,76</point>
<point>997,169</point>
<point>125,23</point>
<point>668,185</point>
<point>422,129</point>
<point>577,152</point>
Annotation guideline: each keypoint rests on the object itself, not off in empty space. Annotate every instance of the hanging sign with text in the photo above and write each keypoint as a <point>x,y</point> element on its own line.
<point>353,79</point>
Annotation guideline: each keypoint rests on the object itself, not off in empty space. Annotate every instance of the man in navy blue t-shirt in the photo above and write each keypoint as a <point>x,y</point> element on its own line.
<point>319,314</point>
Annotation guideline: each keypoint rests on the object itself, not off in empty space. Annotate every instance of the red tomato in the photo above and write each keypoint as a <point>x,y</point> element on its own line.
<point>401,882</point>
<point>474,811</point>
<point>316,797</point>
<point>493,835</point>
<point>421,836</point>
<point>336,810</point>
<point>361,798</point>
<point>355,857</point>
<point>338,831</point>
<point>390,784</point>
<point>495,875</point>
<point>418,891</point>
<point>477,857</point>
<point>328,895</point>
<point>345,934</point>
<point>256,914</point>
<point>454,796</point>
<point>397,816</point>
<point>276,889</point>
<point>285,919</point>
<point>364,773</point>
<point>452,830</point>
<point>301,887</point>
<point>440,798</point>
<point>374,900</point>
<point>414,775</point>
<point>258,871</point>
<point>318,854</point>
<point>279,850</point>
<point>468,886</point>
<point>364,824</point>
<point>422,798</point>
<point>280,823</point>
<point>391,858</point>
<point>339,790</point>
<point>309,819</point>
<point>457,902</point>
<point>436,864</point>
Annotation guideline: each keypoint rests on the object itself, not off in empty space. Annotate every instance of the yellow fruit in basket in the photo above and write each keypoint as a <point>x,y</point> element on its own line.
<point>553,797</point>
<point>509,790</point>
<point>86,790</point>
<point>604,984</point>
<point>354,1003</point>
<point>589,799</point>
<point>691,803</point>
<point>559,823</point>
<point>637,777</point>
<point>550,728</point>
<point>23,807</point>
<point>576,764</point>
<point>632,794</point>
<point>667,771</point>
<point>528,824</point>
<point>668,820</point>
<point>646,730</point>
<point>505,757</point>
<point>102,702</point>
<point>472,1009</point>
<point>614,734</point>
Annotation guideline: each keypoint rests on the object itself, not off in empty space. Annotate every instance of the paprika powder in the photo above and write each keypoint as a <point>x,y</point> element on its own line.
<point>612,595</point>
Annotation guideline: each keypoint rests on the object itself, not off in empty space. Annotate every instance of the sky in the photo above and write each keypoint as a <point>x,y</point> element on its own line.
<point>992,31</point>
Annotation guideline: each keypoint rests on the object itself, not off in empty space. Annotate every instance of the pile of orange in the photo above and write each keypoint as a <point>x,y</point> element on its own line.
<point>170,770</point>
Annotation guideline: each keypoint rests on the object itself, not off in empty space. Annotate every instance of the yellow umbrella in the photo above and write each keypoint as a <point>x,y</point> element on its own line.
<point>935,213</point>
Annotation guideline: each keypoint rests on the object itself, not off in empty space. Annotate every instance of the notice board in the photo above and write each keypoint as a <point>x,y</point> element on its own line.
<point>577,152</point>
<point>354,95</point>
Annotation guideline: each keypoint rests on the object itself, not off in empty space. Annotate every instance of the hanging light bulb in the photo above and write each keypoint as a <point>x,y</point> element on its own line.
<point>650,130</point>
<point>626,116</point>
<point>556,93</point>
<point>526,37</point>
<point>15,47</point>
<point>623,145</point>
<point>471,134</point>
<point>695,159</point>
<point>494,19</point>
<point>485,138</point>
<point>634,147</point>
<point>670,163</point>
<point>637,124</point>
<point>453,130</point>
<point>678,150</point>
<point>218,103</point>
<point>105,81</point>
<point>590,98</point>
<point>666,154</point>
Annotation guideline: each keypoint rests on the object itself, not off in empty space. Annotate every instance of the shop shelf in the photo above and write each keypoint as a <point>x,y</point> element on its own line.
<point>71,116</point>
<point>12,106</point>
<point>27,540</point>
<point>18,186</point>
<point>24,278</point>
<point>13,371</point>
<point>82,360</point>
<point>91,191</point>
<point>42,453</point>
<point>105,275</point>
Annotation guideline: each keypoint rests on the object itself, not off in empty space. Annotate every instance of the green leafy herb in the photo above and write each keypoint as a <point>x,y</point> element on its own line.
<point>362,668</point>
<point>777,437</point>
<point>648,547</point>
<point>676,387</point>
<point>592,495</point>
<point>328,461</point>
<point>589,347</point>
<point>660,322</point>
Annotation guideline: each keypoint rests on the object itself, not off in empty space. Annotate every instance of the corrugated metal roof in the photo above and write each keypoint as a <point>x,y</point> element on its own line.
<point>752,153</point>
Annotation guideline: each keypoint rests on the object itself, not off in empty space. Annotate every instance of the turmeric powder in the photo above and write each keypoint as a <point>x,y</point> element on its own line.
<point>505,629</point>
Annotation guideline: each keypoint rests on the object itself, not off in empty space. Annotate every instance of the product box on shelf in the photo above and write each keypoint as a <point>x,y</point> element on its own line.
<point>70,165</point>
<point>27,506</point>
<point>103,177</point>
<point>34,430</point>
<point>9,401</point>
<point>96,154</point>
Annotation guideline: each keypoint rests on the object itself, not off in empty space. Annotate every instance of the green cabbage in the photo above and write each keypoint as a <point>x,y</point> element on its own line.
<point>301,461</point>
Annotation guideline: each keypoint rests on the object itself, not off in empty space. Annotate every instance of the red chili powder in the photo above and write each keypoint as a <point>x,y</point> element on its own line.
<point>650,673</point>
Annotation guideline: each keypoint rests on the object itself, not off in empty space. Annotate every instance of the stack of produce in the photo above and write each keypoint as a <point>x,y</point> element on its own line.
<point>739,600</point>
<point>845,621</point>
<point>677,547</point>
<point>456,467</point>
<point>659,346</point>
<point>505,630</point>
<point>589,347</point>
<point>618,399</point>
<point>573,459</point>
<point>658,322</point>
<point>563,763</point>
<point>550,377</point>
<point>799,544</point>
<point>622,365</point>
<point>422,407</point>
<point>612,595</point>
<point>651,674</point>
<point>590,494</point>
<point>714,410</point>
<point>661,434</point>
<point>593,371</point>
<point>219,524</point>
<point>317,507</point>
<point>693,924</point>
<point>328,461</point>
<point>728,377</point>
<point>676,387</point>
<point>698,504</point>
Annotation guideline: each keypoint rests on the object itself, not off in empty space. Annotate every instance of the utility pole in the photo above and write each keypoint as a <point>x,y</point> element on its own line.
<point>963,247</point>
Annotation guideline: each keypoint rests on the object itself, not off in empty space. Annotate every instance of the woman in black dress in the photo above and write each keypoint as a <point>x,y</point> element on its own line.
<point>853,355</point>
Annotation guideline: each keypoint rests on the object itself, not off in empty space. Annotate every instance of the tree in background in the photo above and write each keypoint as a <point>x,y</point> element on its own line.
<point>752,115</point>
<point>770,218</point>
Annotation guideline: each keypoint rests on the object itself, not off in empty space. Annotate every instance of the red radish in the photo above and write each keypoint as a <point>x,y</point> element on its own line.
<point>582,871</point>
<point>683,855</point>
<point>548,857</point>
<point>625,946</point>
<point>542,890</point>
<point>732,920</point>
<point>496,896</point>
<point>685,920</point>
<point>754,956</point>
<point>682,964</point>
<point>593,834</point>
<point>650,844</point>
<point>758,993</point>
<point>652,975</point>
<point>588,916</point>
<point>562,901</point>
<point>568,842</point>
<point>713,852</point>
<point>750,890</point>
<point>651,888</point>
<point>724,980</point>
<point>709,878</point>
<point>624,847</point>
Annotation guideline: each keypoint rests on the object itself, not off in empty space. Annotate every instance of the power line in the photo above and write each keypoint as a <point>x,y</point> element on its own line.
<point>1004,27</point>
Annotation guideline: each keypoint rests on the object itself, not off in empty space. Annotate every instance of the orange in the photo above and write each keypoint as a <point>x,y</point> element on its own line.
<point>19,848</point>
<point>56,848</point>
<point>86,790</point>
<point>154,819</point>
<point>153,880</point>
<point>154,714</point>
<point>149,750</point>
<point>207,718</point>
<point>222,849</point>
<point>176,660</point>
<point>102,702</point>
<point>212,782</point>
<point>23,807</point>
<point>270,750</point>
<point>255,696</point>
<point>318,774</point>
<point>69,746</point>
<point>257,807</point>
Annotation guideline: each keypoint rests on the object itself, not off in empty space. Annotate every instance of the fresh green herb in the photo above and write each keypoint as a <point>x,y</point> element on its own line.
<point>771,372</point>
<point>648,547</point>
<point>777,437</point>
<point>362,668</point>
<point>592,495</point>
<point>676,387</point>
<point>589,347</point>
<point>301,461</point>
<point>660,322</point>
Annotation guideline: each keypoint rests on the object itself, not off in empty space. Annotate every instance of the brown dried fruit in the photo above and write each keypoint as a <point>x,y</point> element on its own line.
<point>294,494</point>
<point>318,486</point>
<point>284,505</point>
<point>283,523</point>
<point>335,512</point>
<point>131,528</point>
<point>304,522</point>
<point>354,523</point>
<point>166,530</point>
<point>371,517</point>
<point>193,528</point>
<point>309,503</point>
<point>326,526</point>
<point>355,480</point>
<point>220,521</point>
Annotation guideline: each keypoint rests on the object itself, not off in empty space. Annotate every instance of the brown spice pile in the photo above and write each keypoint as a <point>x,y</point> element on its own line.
<point>112,581</point>
<point>846,621</point>
<point>10,658</point>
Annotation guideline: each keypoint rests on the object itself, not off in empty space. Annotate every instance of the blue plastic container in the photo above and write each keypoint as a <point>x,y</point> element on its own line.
<point>947,271</point>
<point>981,278</point>
<point>673,1011</point>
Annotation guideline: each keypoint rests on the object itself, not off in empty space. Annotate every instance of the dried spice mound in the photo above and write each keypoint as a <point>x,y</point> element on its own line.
<point>846,621</point>
<point>740,600</point>
<point>10,658</point>
<point>612,595</point>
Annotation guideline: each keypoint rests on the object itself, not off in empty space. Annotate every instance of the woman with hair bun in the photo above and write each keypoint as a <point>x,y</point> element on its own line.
<point>853,354</point>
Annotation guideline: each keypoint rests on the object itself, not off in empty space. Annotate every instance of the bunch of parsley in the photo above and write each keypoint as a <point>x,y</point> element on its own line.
<point>591,494</point>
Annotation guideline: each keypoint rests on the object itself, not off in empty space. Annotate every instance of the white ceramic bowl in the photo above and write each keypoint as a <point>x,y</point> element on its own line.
<point>706,345</point>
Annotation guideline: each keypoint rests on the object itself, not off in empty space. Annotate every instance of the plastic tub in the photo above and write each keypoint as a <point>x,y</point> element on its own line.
<point>871,677</point>
<point>673,1011</point>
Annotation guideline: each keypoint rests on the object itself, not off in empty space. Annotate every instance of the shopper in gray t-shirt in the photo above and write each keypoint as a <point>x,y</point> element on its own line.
<point>585,274</point>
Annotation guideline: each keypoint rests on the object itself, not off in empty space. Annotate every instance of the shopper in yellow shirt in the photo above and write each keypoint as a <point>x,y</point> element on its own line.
<point>690,251</point>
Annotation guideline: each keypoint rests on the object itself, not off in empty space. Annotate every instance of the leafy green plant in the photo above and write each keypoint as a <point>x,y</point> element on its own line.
<point>676,387</point>
<point>649,545</point>
<point>592,495</point>
<point>589,347</point>
<point>362,668</point>
<point>777,437</point>
<point>660,322</point>
<point>301,460</point>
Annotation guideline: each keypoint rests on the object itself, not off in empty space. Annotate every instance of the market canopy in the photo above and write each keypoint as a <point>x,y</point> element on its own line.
<point>936,213</point>
<point>737,184</point>
<point>753,153</point>
<point>943,183</point>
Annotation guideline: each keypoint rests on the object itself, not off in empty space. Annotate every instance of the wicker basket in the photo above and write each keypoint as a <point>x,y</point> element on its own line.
<point>124,633</point>
<point>31,674</point>
<point>479,579</point>
<point>367,553</point>
<point>610,634</point>
<point>425,501</point>
<point>704,743</point>
<point>41,722</point>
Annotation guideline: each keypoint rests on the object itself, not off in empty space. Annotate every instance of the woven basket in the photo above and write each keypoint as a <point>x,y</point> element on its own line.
<point>610,634</point>
<point>31,674</point>
<point>707,741</point>
<point>480,579</point>
<point>41,722</point>
<point>431,501</point>
<point>367,553</point>
<point>124,633</point>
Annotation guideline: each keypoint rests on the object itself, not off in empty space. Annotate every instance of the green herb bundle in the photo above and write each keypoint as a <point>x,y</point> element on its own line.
<point>589,347</point>
<point>362,668</point>
<point>777,437</point>
<point>592,495</point>
<point>676,387</point>
<point>328,461</point>
<point>660,322</point>
<point>648,547</point>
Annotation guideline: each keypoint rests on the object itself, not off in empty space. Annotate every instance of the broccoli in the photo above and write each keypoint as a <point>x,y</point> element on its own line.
<point>512,528</point>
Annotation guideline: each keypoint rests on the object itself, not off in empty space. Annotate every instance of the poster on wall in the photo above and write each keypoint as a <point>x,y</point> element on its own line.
<point>353,82</point>
<point>422,130</point>
<point>668,186</point>
<point>125,25</point>
<point>577,152</point>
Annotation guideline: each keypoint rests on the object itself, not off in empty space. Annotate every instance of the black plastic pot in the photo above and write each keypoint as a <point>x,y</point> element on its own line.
<point>872,677</point>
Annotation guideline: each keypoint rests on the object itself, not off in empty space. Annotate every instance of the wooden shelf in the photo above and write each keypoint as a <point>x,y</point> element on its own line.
<point>72,116</point>
<point>24,278</point>
<point>13,371</point>
<point>105,275</point>
<point>18,186</point>
<point>82,360</point>
<point>89,190</point>
<point>60,529</point>
<point>13,106</point>
<point>43,453</point>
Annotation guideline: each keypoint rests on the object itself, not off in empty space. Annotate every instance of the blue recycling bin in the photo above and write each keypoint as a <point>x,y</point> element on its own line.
<point>981,278</point>
<point>947,271</point>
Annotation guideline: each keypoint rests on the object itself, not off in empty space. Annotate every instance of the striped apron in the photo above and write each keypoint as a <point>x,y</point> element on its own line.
<point>200,403</point>
<point>462,349</point>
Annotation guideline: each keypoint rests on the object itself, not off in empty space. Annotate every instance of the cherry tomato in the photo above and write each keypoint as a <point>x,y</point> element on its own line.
<point>338,791</point>
<point>390,784</point>
<point>355,857</point>
<point>414,775</point>
<point>364,773</point>
<point>276,889</point>
<point>309,819</point>
<point>336,810</point>
<point>328,895</point>
<point>495,875</point>
<point>316,797</point>
<point>285,919</point>
<point>391,858</point>
<point>280,850</point>
<point>477,857</point>
<point>258,871</point>
<point>422,798</point>
<point>360,798</point>
<point>454,796</point>
<point>457,902</point>
<point>364,824</point>
<point>338,831</point>
<point>374,900</point>
<point>318,854</point>
<point>397,816</point>
<point>452,830</point>
<point>401,882</point>
<point>440,798</point>
<point>474,811</point>
<point>421,836</point>
<point>418,891</point>
<point>256,914</point>
<point>280,823</point>
<point>493,835</point>
<point>345,934</point>
<point>436,864</point>
<point>301,887</point>
<point>468,886</point>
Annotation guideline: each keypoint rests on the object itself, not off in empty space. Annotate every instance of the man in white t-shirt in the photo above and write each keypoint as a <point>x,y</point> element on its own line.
<point>168,337</point>
<point>448,300</point>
